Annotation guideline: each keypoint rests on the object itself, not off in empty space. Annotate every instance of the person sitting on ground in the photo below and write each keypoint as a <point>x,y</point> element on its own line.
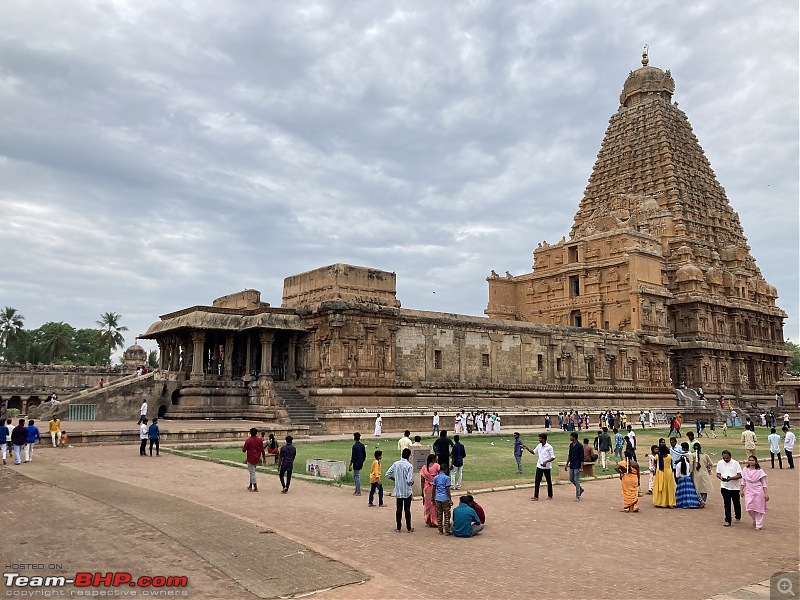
<point>466,521</point>
<point>588,453</point>
<point>477,508</point>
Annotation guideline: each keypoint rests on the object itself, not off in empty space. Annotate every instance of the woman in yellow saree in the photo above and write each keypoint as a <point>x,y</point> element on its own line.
<point>664,483</point>
<point>628,470</point>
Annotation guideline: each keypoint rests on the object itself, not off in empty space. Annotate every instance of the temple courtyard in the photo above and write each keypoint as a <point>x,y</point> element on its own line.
<point>105,509</point>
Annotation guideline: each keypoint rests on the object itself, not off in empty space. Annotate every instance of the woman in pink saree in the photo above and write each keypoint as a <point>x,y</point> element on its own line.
<point>428,472</point>
<point>754,491</point>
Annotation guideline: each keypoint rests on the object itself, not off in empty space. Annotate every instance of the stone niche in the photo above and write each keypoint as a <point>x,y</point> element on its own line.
<point>339,282</point>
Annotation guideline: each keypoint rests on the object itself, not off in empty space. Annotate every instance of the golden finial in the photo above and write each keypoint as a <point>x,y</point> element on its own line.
<point>645,60</point>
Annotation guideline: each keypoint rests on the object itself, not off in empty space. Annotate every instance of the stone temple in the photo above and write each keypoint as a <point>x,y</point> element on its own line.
<point>657,250</point>
<point>654,288</point>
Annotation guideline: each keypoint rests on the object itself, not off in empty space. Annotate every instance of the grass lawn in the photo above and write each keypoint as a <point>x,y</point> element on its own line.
<point>490,458</point>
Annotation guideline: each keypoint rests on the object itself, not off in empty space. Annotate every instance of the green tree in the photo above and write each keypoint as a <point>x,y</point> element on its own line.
<point>793,364</point>
<point>110,332</point>
<point>87,349</point>
<point>58,339</point>
<point>11,323</point>
<point>27,348</point>
<point>152,359</point>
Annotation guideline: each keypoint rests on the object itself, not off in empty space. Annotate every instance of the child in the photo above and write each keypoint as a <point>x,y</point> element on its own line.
<point>375,480</point>
<point>652,459</point>
<point>725,428</point>
<point>63,439</point>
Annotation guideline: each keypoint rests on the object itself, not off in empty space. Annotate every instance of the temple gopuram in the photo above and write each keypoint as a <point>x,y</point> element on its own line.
<point>655,289</point>
<point>657,250</point>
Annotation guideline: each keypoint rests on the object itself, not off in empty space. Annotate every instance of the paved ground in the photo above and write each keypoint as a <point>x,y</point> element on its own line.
<point>527,546</point>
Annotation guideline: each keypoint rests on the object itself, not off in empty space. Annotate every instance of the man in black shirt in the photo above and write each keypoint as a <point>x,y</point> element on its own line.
<point>357,457</point>
<point>604,446</point>
<point>442,449</point>
<point>575,464</point>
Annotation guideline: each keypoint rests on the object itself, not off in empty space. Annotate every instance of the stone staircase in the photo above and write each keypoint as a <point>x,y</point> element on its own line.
<point>300,411</point>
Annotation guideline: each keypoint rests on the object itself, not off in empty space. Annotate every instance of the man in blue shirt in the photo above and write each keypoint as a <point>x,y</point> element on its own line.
<point>4,433</point>
<point>518,451</point>
<point>459,454</point>
<point>619,441</point>
<point>466,522</point>
<point>358,454</point>
<point>402,473</point>
<point>575,464</point>
<point>33,435</point>
<point>155,436</point>
<point>443,501</point>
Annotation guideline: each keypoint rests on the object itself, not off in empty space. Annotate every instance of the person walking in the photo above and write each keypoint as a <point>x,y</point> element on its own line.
<point>788,445</point>
<point>546,456</point>
<point>629,477</point>
<point>631,440</point>
<point>358,455</point>
<point>619,443</point>
<point>754,491</point>
<point>143,411</point>
<point>33,437</point>
<point>518,446</point>
<point>749,440</point>
<point>286,456</point>
<point>774,448</point>
<point>651,417</point>
<point>574,464</point>
<point>55,430</point>
<point>435,429</point>
<point>375,480</point>
<point>402,473</point>
<point>729,472</point>
<point>604,447</point>
<point>652,460</point>
<point>444,502</point>
<point>19,439</point>
<point>428,473</point>
<point>685,492</point>
<point>712,427</point>
<point>701,473</point>
<point>664,484</point>
<point>5,434</point>
<point>143,435</point>
<point>154,435</point>
<point>254,451</point>
<point>458,456</point>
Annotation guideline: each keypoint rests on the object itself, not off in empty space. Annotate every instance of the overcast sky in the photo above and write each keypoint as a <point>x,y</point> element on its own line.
<point>157,155</point>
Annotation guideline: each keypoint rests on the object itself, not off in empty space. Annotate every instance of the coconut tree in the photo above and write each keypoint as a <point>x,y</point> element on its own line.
<point>58,339</point>
<point>10,326</point>
<point>110,336</point>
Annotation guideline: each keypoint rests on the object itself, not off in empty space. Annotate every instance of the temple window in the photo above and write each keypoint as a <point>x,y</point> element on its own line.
<point>485,360</point>
<point>437,359</point>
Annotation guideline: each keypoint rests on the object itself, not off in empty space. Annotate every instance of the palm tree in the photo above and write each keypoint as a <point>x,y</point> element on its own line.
<point>10,326</point>
<point>110,336</point>
<point>58,339</point>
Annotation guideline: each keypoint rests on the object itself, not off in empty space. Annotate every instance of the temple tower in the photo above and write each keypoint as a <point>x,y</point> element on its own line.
<point>656,249</point>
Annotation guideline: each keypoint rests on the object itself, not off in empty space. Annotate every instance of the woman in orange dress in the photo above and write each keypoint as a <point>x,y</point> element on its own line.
<point>628,470</point>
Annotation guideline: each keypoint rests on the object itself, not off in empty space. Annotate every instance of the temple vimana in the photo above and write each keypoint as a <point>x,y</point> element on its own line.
<point>654,288</point>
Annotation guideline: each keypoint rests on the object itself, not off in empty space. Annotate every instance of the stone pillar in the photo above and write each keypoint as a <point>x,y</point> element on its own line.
<point>198,344</point>
<point>428,370</point>
<point>267,337</point>
<point>460,339</point>
<point>248,361</point>
<point>227,367</point>
<point>291,366</point>
<point>162,345</point>
<point>495,341</point>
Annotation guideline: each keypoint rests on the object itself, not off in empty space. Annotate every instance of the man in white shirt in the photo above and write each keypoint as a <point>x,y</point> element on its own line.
<point>143,411</point>
<point>543,465</point>
<point>774,447</point>
<point>788,445</point>
<point>651,418</point>
<point>435,430</point>
<point>143,437</point>
<point>405,441</point>
<point>729,472</point>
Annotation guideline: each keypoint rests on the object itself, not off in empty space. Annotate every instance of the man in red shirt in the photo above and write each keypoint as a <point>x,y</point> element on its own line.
<point>477,508</point>
<point>254,447</point>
